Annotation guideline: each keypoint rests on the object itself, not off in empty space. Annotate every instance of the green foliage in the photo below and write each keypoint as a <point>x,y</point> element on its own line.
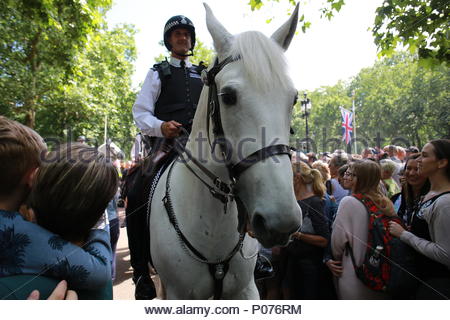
<point>324,120</point>
<point>401,98</point>
<point>420,25</point>
<point>397,98</point>
<point>40,39</point>
<point>100,87</point>
<point>331,7</point>
<point>61,68</point>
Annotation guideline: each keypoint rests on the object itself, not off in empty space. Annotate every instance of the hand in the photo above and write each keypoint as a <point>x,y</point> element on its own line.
<point>296,235</point>
<point>27,213</point>
<point>59,293</point>
<point>335,267</point>
<point>170,129</point>
<point>395,229</point>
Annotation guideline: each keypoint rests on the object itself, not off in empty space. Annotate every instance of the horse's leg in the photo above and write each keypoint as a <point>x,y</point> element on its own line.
<point>189,286</point>
<point>250,292</point>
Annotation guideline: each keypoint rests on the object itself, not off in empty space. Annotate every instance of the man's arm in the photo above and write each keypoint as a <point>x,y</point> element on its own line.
<point>144,107</point>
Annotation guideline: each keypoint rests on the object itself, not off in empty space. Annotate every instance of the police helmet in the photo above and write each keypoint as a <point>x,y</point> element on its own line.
<point>178,22</point>
<point>81,139</point>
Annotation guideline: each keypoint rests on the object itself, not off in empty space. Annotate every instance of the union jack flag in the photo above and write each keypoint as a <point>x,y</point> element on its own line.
<point>347,125</point>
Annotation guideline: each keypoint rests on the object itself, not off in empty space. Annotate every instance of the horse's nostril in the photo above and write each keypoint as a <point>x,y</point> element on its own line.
<point>259,223</point>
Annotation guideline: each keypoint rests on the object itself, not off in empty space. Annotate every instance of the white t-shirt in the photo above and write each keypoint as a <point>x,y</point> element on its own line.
<point>144,107</point>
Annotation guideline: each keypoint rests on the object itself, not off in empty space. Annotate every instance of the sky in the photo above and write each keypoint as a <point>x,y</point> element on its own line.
<point>328,52</point>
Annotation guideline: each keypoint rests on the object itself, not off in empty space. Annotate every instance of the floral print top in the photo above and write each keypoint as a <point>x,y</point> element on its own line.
<point>27,248</point>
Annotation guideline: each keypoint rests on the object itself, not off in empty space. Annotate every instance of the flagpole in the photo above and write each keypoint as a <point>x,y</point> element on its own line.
<point>105,133</point>
<point>354,119</point>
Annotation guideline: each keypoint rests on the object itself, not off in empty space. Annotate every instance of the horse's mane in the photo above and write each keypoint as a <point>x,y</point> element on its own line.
<point>263,60</point>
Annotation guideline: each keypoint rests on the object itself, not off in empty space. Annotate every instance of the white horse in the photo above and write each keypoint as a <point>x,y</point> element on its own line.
<point>201,253</point>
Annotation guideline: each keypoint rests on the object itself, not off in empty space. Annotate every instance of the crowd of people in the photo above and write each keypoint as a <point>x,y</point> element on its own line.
<point>316,264</point>
<point>46,208</point>
<point>58,210</point>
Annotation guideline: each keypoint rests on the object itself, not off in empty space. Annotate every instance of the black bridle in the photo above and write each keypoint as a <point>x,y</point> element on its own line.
<point>213,114</point>
<point>219,189</point>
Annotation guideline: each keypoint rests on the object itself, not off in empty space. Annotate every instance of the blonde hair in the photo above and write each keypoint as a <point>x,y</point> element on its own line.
<point>72,189</point>
<point>323,169</point>
<point>388,165</point>
<point>308,176</point>
<point>21,149</point>
<point>368,176</point>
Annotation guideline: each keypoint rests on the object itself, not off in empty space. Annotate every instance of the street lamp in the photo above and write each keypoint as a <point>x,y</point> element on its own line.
<point>306,104</point>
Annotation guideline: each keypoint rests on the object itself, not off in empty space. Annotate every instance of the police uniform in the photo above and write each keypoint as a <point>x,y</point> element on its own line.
<point>171,91</point>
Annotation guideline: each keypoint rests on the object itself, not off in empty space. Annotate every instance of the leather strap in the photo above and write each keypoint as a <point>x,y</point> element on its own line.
<point>257,156</point>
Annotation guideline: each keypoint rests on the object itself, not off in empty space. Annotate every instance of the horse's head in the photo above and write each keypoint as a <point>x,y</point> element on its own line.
<point>256,97</point>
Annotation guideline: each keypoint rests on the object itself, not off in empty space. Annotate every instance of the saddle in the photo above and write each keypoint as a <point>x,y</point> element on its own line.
<point>142,179</point>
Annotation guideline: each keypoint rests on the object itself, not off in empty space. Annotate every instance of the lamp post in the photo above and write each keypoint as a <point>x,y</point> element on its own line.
<point>306,104</point>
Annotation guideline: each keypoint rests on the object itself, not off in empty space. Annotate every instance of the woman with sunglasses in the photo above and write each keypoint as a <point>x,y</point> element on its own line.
<point>351,227</point>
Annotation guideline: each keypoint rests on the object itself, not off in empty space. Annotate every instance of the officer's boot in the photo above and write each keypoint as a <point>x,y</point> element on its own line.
<point>163,152</point>
<point>145,288</point>
<point>157,157</point>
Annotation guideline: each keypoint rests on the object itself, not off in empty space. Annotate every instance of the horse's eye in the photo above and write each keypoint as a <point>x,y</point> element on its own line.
<point>229,96</point>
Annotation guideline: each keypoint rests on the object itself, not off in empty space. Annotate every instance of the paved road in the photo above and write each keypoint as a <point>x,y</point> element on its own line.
<point>123,287</point>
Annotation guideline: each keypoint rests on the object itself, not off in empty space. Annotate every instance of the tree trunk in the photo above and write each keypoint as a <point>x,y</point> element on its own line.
<point>419,143</point>
<point>30,102</point>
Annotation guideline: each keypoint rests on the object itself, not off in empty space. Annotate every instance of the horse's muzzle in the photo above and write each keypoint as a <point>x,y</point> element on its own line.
<point>272,233</point>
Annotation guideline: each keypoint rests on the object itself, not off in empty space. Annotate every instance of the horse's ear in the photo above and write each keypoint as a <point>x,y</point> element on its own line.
<point>222,38</point>
<point>285,33</point>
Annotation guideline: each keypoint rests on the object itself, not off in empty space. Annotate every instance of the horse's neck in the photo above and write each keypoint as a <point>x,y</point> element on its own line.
<point>202,212</point>
<point>200,141</point>
<point>201,216</point>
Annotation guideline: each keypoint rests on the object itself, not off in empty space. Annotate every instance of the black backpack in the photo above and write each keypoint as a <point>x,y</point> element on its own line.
<point>389,264</point>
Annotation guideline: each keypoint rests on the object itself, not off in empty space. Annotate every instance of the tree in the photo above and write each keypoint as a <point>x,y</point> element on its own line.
<point>420,25</point>
<point>324,119</point>
<point>99,88</point>
<point>400,98</point>
<point>396,99</point>
<point>40,39</point>
<point>201,53</point>
<point>62,68</point>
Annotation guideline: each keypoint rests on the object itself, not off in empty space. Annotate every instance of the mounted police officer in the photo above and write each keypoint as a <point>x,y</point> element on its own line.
<point>171,90</point>
<point>167,102</point>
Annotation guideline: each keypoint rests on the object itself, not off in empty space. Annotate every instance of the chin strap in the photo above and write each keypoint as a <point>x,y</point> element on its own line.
<point>184,55</point>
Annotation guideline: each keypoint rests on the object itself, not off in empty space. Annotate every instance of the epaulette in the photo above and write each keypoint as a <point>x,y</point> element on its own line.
<point>163,69</point>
